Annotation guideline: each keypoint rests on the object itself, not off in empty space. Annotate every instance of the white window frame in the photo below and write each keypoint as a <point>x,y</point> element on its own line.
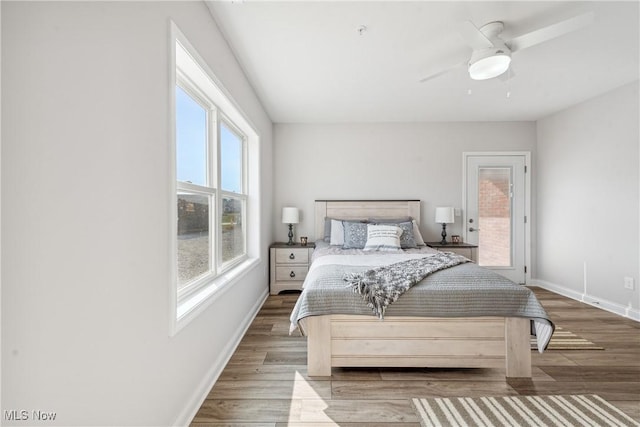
<point>191,73</point>
<point>208,189</point>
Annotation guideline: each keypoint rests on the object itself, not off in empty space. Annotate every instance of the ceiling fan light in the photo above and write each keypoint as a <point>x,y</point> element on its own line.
<point>489,66</point>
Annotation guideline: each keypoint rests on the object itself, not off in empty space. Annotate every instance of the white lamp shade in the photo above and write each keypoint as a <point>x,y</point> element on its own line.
<point>444,215</point>
<point>290,216</point>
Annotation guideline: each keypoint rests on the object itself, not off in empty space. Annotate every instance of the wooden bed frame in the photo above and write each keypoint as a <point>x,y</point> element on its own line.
<point>355,340</point>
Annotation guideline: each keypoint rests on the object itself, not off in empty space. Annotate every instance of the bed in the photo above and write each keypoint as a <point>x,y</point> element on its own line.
<point>459,317</point>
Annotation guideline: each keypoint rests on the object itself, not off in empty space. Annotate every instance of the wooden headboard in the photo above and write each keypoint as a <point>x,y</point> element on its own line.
<point>363,209</point>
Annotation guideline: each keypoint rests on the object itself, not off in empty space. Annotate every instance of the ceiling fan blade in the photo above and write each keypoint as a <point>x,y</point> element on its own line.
<point>441,72</point>
<point>472,35</point>
<point>434,75</point>
<point>551,32</point>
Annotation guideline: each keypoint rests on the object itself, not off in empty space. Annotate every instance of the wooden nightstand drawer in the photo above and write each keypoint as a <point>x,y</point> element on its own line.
<point>292,256</point>
<point>291,273</point>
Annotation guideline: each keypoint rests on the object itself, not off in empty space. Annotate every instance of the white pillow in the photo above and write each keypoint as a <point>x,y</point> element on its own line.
<point>416,234</point>
<point>383,238</point>
<point>337,233</point>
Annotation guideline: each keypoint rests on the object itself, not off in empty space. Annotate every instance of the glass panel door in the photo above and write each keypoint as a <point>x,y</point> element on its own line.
<point>494,216</point>
<point>495,198</point>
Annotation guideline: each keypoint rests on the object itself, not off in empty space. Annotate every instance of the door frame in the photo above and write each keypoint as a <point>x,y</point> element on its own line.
<point>527,199</point>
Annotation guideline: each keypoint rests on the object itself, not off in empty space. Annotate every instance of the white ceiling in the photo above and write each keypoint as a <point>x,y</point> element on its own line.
<point>309,63</point>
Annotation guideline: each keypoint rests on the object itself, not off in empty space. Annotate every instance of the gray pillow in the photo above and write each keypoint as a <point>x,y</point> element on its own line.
<point>327,229</point>
<point>355,235</point>
<point>407,240</point>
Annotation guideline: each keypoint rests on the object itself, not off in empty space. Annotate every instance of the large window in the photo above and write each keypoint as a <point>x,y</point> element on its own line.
<point>211,185</point>
<point>211,201</point>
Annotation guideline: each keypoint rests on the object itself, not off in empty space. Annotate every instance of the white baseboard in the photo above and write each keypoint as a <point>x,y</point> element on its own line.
<point>612,307</point>
<point>210,377</point>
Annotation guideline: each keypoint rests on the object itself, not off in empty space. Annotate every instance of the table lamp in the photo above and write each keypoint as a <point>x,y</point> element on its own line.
<point>444,216</point>
<point>290,216</point>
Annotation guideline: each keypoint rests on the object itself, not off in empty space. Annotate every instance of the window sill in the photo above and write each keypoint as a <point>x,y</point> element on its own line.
<point>194,304</point>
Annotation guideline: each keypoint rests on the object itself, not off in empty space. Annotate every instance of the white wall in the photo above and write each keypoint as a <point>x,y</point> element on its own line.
<point>588,199</point>
<point>382,161</point>
<point>85,214</point>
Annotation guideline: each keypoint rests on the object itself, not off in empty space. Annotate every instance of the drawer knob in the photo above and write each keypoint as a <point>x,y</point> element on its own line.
<point>292,256</point>
<point>292,274</point>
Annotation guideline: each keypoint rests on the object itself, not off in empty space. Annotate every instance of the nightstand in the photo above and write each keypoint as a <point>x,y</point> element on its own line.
<point>465,249</point>
<point>288,266</point>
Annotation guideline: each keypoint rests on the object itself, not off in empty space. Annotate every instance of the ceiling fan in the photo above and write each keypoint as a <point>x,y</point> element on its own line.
<point>491,56</point>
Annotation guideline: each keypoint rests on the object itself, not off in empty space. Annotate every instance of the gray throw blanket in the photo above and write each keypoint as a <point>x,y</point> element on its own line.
<point>382,286</point>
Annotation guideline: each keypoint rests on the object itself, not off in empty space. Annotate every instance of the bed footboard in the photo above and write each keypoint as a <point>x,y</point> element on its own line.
<point>482,342</point>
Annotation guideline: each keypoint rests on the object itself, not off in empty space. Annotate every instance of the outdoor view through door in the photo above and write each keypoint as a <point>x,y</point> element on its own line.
<point>495,211</point>
<point>494,216</point>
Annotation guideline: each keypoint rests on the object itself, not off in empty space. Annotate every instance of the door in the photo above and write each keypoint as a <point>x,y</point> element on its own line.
<point>495,211</point>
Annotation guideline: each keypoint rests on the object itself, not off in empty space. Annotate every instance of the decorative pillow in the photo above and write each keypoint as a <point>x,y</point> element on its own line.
<point>407,240</point>
<point>416,234</point>
<point>383,238</point>
<point>355,234</point>
<point>337,233</point>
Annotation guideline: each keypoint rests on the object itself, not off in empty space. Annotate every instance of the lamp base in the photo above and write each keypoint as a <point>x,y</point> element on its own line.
<point>444,234</point>
<point>290,242</point>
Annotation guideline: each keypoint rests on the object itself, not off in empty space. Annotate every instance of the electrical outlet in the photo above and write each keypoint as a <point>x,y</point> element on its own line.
<point>628,283</point>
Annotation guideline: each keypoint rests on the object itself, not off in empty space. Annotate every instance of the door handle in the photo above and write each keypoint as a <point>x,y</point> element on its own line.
<point>473,229</point>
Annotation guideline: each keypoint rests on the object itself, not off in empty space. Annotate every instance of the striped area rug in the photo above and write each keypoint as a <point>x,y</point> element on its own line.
<point>512,411</point>
<point>567,340</point>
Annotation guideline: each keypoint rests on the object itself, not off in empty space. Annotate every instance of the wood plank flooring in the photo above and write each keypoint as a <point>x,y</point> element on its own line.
<point>265,384</point>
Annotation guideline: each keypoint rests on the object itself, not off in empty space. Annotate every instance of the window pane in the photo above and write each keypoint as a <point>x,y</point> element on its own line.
<point>232,229</point>
<point>191,139</point>
<point>494,217</point>
<point>231,159</point>
<point>193,237</point>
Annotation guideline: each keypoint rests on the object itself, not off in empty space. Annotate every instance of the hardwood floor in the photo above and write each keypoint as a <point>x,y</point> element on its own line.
<point>266,384</point>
